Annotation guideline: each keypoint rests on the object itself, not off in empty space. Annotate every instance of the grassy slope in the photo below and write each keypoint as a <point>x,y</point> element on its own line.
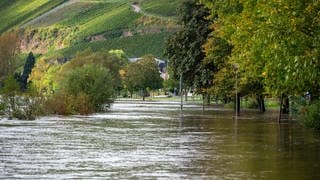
<point>104,17</point>
<point>93,17</point>
<point>165,8</point>
<point>135,46</point>
<point>63,13</point>
<point>17,12</point>
<point>114,16</point>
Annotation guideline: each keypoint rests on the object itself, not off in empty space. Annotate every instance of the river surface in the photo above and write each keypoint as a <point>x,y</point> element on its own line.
<point>154,140</point>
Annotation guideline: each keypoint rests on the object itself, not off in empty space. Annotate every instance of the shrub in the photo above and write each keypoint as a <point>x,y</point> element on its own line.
<point>83,90</point>
<point>92,83</point>
<point>58,104</point>
<point>82,104</point>
<point>3,107</point>
<point>310,115</point>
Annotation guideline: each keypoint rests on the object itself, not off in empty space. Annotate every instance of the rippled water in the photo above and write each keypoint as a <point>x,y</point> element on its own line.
<point>155,140</point>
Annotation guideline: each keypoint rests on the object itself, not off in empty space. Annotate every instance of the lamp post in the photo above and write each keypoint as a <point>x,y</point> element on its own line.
<point>181,101</point>
<point>236,67</point>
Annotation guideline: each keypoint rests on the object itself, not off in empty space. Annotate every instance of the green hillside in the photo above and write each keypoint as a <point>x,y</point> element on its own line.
<point>165,8</point>
<point>16,12</point>
<point>135,46</point>
<point>71,25</point>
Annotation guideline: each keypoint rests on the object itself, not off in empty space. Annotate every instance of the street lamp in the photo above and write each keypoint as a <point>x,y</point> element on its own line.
<point>236,68</point>
<point>181,101</point>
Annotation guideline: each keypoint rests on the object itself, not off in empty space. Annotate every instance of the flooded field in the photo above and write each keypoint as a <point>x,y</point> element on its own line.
<point>155,140</point>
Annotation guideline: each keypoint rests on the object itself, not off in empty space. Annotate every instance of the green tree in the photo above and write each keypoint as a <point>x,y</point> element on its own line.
<point>44,74</point>
<point>142,75</point>
<point>275,44</point>
<point>27,70</point>
<point>113,60</point>
<point>184,48</point>
<point>90,80</point>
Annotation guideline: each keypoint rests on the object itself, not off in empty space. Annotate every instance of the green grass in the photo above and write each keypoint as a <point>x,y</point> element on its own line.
<point>116,17</point>
<point>14,13</point>
<point>92,17</point>
<point>61,14</point>
<point>135,46</point>
<point>164,8</point>
<point>73,24</point>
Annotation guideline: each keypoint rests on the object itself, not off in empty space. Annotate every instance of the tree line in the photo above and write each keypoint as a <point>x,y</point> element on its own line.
<point>271,46</point>
<point>83,84</point>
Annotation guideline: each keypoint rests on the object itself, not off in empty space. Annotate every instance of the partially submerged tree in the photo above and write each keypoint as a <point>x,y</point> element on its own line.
<point>184,48</point>
<point>90,80</point>
<point>274,43</point>
<point>142,75</point>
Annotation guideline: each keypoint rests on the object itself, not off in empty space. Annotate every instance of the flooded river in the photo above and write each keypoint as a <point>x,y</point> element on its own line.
<point>154,140</point>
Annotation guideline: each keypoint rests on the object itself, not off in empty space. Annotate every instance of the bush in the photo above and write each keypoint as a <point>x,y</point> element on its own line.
<point>82,104</point>
<point>66,104</point>
<point>92,83</point>
<point>3,107</point>
<point>58,104</point>
<point>310,115</point>
<point>84,90</point>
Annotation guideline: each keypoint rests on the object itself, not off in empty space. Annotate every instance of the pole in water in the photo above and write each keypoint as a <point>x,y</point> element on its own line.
<point>181,102</point>
<point>236,94</point>
<point>236,71</point>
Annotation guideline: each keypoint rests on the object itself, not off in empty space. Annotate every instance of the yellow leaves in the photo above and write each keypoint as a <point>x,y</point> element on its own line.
<point>264,74</point>
<point>122,73</point>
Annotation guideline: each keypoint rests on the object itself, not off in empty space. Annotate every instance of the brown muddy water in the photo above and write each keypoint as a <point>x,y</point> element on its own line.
<point>154,140</point>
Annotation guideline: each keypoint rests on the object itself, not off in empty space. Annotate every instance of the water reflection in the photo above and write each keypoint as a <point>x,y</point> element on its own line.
<point>155,140</point>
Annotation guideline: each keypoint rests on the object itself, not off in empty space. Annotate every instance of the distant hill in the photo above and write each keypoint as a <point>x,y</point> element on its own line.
<point>138,27</point>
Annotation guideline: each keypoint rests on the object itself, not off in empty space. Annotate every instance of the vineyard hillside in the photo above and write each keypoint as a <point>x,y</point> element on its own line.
<point>67,26</point>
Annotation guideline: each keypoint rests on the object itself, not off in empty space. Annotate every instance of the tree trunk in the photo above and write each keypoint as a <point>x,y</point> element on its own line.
<point>208,98</point>
<point>143,95</point>
<point>315,94</point>
<point>202,102</point>
<point>225,100</point>
<point>237,103</point>
<point>284,105</point>
<point>261,104</point>
<point>186,95</point>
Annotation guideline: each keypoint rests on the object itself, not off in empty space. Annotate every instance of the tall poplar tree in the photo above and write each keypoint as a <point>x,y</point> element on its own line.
<point>27,70</point>
<point>184,48</point>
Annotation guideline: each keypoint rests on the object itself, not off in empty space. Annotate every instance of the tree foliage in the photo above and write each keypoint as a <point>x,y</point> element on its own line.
<point>275,43</point>
<point>44,74</point>
<point>113,61</point>
<point>142,74</point>
<point>90,81</point>
<point>27,70</point>
<point>184,48</point>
